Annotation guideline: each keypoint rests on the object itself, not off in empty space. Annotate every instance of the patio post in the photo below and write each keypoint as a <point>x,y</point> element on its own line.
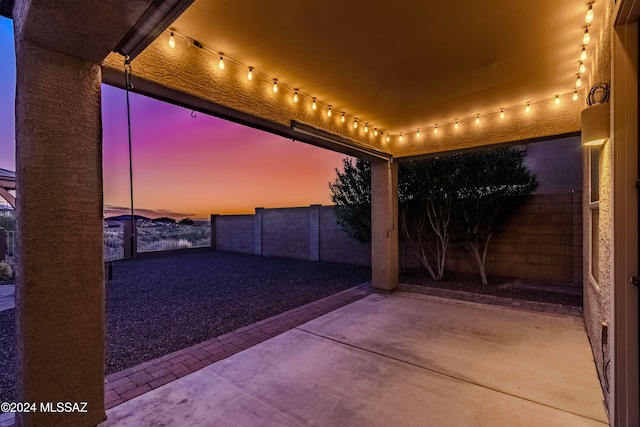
<point>384,225</point>
<point>60,285</point>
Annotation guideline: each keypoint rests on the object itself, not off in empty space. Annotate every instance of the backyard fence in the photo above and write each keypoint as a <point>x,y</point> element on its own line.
<point>542,241</point>
<point>117,240</point>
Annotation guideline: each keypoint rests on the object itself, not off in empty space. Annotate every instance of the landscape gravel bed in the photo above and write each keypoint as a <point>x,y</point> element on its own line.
<point>158,305</point>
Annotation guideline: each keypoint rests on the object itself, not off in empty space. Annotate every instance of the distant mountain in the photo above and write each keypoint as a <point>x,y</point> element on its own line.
<point>127,217</point>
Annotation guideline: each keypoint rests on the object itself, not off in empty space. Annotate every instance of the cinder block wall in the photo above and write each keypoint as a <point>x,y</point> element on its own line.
<point>285,232</point>
<point>233,233</point>
<point>542,241</point>
<point>336,246</point>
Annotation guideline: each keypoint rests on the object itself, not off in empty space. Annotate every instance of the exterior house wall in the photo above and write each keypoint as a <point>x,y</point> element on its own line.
<point>598,293</point>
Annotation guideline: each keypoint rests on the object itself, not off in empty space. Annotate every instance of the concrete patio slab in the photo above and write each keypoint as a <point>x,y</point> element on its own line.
<point>538,357</point>
<point>392,360</point>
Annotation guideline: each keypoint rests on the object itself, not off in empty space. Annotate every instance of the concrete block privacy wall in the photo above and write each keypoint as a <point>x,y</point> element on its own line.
<point>542,241</point>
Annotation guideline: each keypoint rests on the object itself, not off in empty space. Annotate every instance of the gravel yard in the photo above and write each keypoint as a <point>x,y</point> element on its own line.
<point>159,305</point>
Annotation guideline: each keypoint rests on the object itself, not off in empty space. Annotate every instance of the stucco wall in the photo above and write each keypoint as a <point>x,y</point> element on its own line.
<point>557,164</point>
<point>598,296</point>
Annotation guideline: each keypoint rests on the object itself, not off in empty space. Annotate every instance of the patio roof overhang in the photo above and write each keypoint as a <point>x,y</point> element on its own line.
<point>395,67</point>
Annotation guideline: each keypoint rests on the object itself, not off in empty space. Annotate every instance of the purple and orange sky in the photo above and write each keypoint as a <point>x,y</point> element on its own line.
<point>185,166</point>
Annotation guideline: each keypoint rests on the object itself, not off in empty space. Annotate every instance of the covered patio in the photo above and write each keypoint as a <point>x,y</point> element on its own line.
<point>393,359</point>
<point>387,82</point>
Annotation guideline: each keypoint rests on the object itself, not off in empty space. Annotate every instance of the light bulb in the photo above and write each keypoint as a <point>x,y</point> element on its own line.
<point>435,130</point>
<point>578,81</point>
<point>314,106</point>
<point>418,134</point>
<point>388,138</point>
<point>528,109</point>
<point>342,119</point>
<point>329,111</point>
<point>355,124</point>
<point>400,139</point>
<point>375,131</point>
<point>583,54</point>
<point>221,63</point>
<point>575,95</point>
<point>366,127</point>
<point>582,68</point>
<point>172,41</point>
<point>478,119</point>
<point>502,114</point>
<point>275,85</point>
<point>586,38</point>
<point>557,100</point>
<point>250,74</point>
<point>589,18</point>
<point>456,125</point>
<point>295,97</point>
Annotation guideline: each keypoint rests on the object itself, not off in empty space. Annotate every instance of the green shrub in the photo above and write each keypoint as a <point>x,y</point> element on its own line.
<point>6,272</point>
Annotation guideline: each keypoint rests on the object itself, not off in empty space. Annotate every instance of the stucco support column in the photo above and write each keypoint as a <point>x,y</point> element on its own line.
<point>60,285</point>
<point>384,225</point>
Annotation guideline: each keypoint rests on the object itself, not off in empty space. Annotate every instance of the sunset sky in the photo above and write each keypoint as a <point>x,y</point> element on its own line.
<point>185,166</point>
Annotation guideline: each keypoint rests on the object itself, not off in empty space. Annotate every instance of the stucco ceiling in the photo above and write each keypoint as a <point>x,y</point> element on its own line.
<point>403,65</point>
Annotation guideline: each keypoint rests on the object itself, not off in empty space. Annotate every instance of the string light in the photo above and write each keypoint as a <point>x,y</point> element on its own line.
<point>586,38</point>
<point>296,96</point>
<point>375,132</point>
<point>589,18</point>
